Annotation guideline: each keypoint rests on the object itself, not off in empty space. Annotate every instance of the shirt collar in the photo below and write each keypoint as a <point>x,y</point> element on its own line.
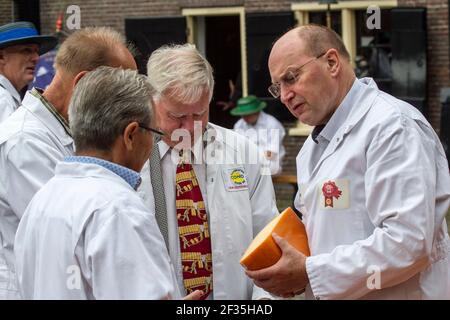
<point>5,83</point>
<point>164,148</point>
<point>37,93</point>
<point>340,114</point>
<point>130,176</point>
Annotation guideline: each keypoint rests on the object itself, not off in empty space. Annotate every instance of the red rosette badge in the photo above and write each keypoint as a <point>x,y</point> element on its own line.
<point>329,191</point>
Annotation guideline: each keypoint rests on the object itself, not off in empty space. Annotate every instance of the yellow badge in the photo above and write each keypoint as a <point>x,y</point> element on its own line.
<point>235,179</point>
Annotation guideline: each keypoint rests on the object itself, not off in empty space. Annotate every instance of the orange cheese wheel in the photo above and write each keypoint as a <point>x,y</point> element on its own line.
<point>263,252</point>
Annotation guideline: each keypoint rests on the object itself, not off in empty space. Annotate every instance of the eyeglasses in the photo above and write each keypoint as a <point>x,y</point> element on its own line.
<point>160,133</point>
<point>289,78</point>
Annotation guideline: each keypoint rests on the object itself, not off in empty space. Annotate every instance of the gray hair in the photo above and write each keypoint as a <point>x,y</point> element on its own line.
<point>104,102</point>
<point>180,72</point>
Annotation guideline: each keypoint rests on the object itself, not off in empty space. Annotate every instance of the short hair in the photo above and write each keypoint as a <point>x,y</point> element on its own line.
<point>319,39</point>
<point>104,102</point>
<point>180,72</point>
<point>88,48</point>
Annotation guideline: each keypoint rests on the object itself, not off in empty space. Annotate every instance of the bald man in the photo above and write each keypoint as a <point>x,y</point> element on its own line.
<point>374,183</point>
<point>37,135</point>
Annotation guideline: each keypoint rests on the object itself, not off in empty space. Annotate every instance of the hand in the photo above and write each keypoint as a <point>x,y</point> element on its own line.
<point>195,295</point>
<point>287,277</point>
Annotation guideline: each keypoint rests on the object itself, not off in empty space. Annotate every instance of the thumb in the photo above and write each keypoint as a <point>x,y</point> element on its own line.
<point>281,242</point>
<point>195,295</point>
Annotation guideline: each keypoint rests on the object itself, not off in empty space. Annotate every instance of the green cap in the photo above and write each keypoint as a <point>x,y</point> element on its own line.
<point>248,105</point>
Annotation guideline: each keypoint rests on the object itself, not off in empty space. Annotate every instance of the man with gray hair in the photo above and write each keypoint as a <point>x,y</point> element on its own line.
<point>87,234</point>
<point>37,135</point>
<point>208,211</point>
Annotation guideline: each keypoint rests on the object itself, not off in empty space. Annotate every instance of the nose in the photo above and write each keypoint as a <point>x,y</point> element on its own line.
<point>286,94</point>
<point>188,124</point>
<point>35,56</point>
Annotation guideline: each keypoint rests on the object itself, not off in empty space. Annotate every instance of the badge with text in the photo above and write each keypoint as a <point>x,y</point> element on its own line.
<point>235,179</point>
<point>334,194</point>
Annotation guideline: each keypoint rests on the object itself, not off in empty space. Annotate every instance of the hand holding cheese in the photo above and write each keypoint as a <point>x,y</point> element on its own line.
<point>264,252</point>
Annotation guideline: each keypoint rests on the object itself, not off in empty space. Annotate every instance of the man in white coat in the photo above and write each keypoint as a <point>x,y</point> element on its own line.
<point>261,128</point>
<point>87,234</point>
<point>237,201</point>
<point>374,185</point>
<point>20,47</point>
<point>37,135</point>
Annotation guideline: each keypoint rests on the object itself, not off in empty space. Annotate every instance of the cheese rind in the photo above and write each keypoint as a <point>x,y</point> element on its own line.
<point>263,252</point>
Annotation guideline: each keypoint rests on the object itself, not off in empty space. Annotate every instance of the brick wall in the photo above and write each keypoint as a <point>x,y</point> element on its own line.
<point>113,12</point>
<point>5,11</point>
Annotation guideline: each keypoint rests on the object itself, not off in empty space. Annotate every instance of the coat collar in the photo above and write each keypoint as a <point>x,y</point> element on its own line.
<point>36,107</point>
<point>362,98</point>
<point>5,83</point>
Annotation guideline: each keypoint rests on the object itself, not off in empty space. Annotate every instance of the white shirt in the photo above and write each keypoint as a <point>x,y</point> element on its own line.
<point>234,217</point>
<point>9,98</point>
<point>374,204</point>
<point>88,235</point>
<point>267,133</point>
<point>32,140</point>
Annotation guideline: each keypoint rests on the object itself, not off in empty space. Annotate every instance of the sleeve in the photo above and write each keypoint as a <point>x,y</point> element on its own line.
<point>400,184</point>
<point>30,163</point>
<point>127,256</point>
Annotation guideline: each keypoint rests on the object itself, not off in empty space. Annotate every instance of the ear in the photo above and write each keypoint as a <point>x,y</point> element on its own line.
<point>78,78</point>
<point>333,62</point>
<point>2,56</point>
<point>129,135</point>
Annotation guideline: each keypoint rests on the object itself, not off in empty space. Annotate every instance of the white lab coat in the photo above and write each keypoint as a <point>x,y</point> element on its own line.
<point>88,235</point>
<point>267,133</point>
<point>235,217</point>
<point>385,236</point>
<point>31,142</point>
<point>9,98</point>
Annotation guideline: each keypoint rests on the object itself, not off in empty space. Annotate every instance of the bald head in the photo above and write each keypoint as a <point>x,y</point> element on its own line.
<point>311,72</point>
<point>313,40</point>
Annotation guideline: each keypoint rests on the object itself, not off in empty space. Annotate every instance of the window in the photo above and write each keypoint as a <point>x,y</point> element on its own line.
<point>373,50</point>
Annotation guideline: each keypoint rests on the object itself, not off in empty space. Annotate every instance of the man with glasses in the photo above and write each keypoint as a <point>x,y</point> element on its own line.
<point>205,182</point>
<point>37,135</point>
<point>87,234</point>
<point>374,183</point>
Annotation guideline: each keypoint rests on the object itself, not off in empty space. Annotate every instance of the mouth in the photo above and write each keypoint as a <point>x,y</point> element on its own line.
<point>298,108</point>
<point>31,69</point>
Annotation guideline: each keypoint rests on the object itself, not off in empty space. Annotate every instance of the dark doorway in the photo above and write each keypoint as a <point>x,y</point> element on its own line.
<point>223,51</point>
<point>28,10</point>
<point>148,34</point>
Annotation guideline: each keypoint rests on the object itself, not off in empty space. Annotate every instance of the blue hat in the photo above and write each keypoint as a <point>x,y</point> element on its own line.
<point>25,32</point>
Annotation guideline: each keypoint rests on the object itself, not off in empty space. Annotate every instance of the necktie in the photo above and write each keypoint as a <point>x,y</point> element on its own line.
<point>158,191</point>
<point>193,231</point>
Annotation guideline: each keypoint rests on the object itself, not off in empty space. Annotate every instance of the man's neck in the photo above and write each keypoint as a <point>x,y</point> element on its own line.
<point>96,154</point>
<point>344,89</point>
<point>58,96</point>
